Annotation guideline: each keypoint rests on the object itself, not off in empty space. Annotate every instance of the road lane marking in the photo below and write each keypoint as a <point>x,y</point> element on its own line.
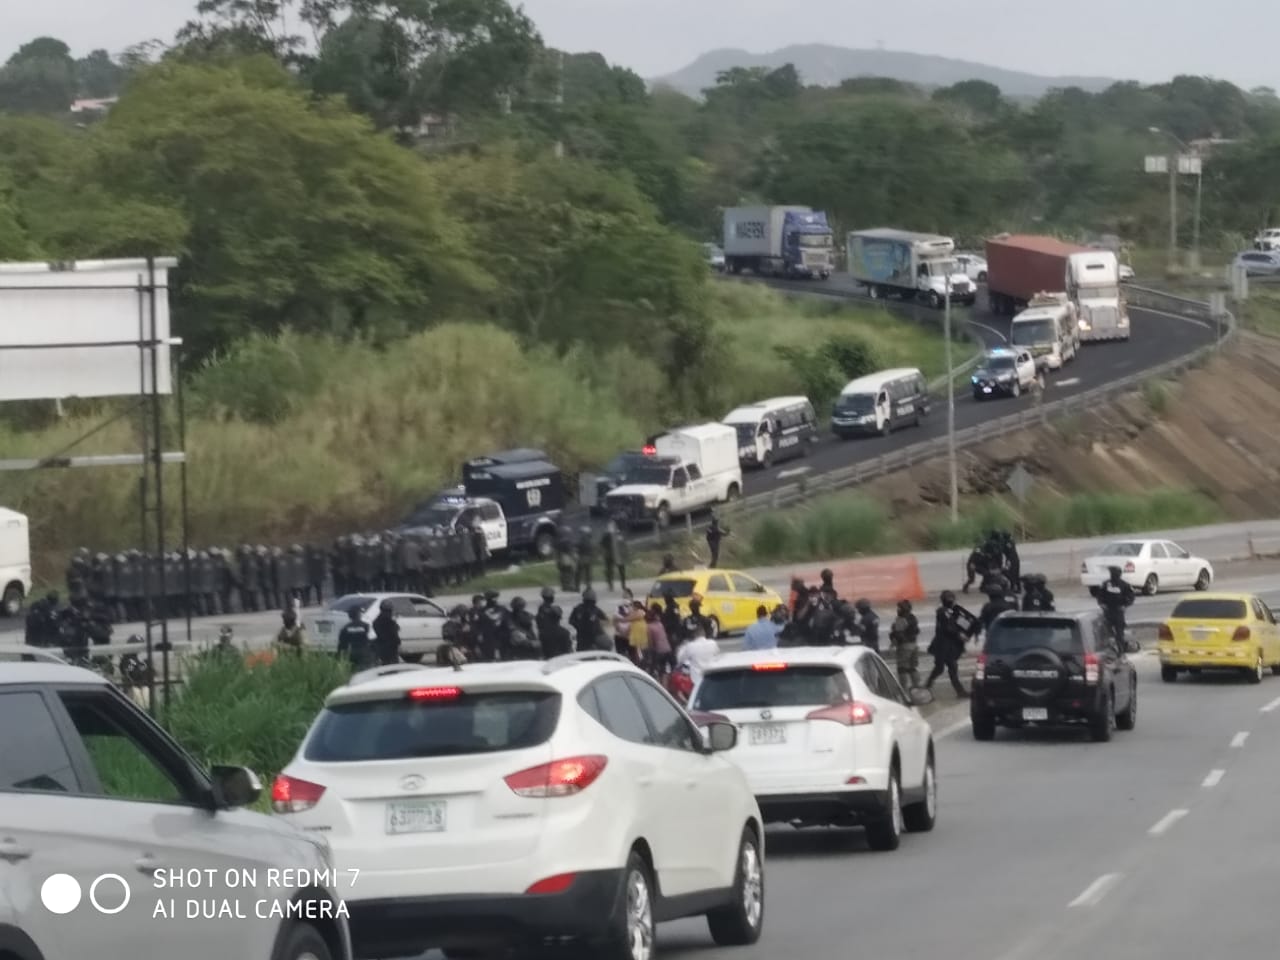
<point>1095,891</point>
<point>1167,821</point>
<point>1238,740</point>
<point>1214,778</point>
<point>1271,706</point>
<point>793,473</point>
<point>1071,382</point>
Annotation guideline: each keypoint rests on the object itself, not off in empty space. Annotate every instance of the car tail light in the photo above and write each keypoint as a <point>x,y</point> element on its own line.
<point>704,719</point>
<point>1130,568</point>
<point>556,884</point>
<point>1242,633</point>
<point>1165,635</point>
<point>291,795</point>
<point>980,671</point>
<point>649,450</point>
<point>559,778</point>
<point>432,694</point>
<point>855,780</point>
<point>853,714</point>
<point>1090,668</point>
<point>768,666</point>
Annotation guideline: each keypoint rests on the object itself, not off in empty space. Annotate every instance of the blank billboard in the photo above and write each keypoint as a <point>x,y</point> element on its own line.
<point>73,329</point>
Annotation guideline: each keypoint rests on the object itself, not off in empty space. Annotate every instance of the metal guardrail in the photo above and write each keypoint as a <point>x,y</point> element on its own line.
<point>841,479</point>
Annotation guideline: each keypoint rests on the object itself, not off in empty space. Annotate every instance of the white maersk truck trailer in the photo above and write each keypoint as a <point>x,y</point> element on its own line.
<point>899,263</point>
<point>778,241</point>
<point>1093,284</point>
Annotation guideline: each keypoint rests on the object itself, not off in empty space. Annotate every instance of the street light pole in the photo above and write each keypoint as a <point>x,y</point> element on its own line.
<point>1173,210</point>
<point>951,405</point>
<point>1195,236</point>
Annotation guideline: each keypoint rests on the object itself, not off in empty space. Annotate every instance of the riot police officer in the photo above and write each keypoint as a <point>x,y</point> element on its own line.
<point>1036,595</point>
<point>588,622</point>
<point>1115,596</point>
<point>904,637</point>
<point>869,624</point>
<point>495,628</point>
<point>354,640</point>
<point>386,634</point>
<point>555,639</point>
<point>523,637</point>
<point>953,626</point>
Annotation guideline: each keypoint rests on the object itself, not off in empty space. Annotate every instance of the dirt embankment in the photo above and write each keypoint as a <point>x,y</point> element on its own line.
<point>1216,431</point>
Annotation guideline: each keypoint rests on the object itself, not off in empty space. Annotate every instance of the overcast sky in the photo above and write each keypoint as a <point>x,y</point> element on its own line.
<point>1148,40</point>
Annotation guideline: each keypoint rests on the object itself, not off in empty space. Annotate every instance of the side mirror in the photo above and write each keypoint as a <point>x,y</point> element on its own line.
<point>721,737</point>
<point>1131,645</point>
<point>235,787</point>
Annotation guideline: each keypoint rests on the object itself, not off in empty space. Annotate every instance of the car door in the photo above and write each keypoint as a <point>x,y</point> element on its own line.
<point>706,842</point>
<point>719,602</point>
<point>1182,564</point>
<point>1271,631</point>
<point>699,493</point>
<point>408,619</point>
<point>1155,559</point>
<point>430,618</point>
<point>894,706</point>
<point>495,527</point>
<point>916,730</point>
<point>748,595</point>
<point>681,492</point>
<point>884,410</point>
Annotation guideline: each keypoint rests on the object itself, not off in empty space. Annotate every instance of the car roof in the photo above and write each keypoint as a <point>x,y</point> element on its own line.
<point>376,596</point>
<point>47,670</point>
<point>1076,616</point>
<point>703,574</point>
<point>792,656</point>
<point>1208,595</point>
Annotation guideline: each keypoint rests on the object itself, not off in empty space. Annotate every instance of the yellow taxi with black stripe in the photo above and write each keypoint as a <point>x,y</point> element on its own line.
<point>1219,631</point>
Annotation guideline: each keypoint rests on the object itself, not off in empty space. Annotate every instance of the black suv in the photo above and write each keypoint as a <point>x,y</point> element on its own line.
<point>1053,669</point>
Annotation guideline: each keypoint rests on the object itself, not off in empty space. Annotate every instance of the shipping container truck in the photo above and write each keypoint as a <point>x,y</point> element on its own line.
<point>778,241</point>
<point>1020,266</point>
<point>1093,284</point>
<point>899,263</point>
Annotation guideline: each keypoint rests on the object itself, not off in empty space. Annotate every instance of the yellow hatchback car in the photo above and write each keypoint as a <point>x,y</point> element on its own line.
<point>729,598</point>
<point>1219,631</point>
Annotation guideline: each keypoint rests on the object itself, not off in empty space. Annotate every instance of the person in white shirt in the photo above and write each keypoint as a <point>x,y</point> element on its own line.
<point>696,653</point>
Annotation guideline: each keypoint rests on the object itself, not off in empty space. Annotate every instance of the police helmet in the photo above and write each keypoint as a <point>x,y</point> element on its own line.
<point>589,595</point>
<point>948,596</point>
<point>491,595</point>
<point>826,575</point>
<point>1115,572</point>
<point>548,594</point>
<point>477,598</point>
<point>863,606</point>
<point>459,611</point>
<point>555,613</point>
<point>518,603</point>
<point>386,606</point>
<point>904,607</point>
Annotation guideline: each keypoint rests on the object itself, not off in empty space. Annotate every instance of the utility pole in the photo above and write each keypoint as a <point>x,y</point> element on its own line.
<point>1195,236</point>
<point>1173,210</point>
<point>559,101</point>
<point>951,405</point>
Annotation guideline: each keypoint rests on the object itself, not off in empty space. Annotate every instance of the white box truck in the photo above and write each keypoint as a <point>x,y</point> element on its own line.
<point>1093,284</point>
<point>15,561</point>
<point>899,263</point>
<point>786,241</point>
<point>692,468</point>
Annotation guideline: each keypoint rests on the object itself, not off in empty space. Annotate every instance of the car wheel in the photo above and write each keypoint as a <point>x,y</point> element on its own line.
<point>732,493</point>
<point>631,933</point>
<point>887,427</point>
<point>663,516</point>
<point>984,724</point>
<point>714,628</point>
<point>302,942</point>
<point>1257,671</point>
<point>1104,721</point>
<point>1204,580</point>
<point>920,817</point>
<point>544,545</point>
<point>1017,389</point>
<point>885,833</point>
<point>1168,674</point>
<point>738,923</point>
<point>935,300</point>
<point>1129,719</point>
<point>11,605</point>
<point>1151,586</point>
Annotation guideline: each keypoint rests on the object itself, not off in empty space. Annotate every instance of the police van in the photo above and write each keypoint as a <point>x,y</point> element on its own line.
<point>880,403</point>
<point>773,430</point>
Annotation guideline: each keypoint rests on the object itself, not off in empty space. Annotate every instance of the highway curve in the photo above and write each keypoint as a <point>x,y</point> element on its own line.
<point>1156,338</point>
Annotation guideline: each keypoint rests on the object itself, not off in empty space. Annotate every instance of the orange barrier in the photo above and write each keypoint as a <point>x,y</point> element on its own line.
<point>880,580</point>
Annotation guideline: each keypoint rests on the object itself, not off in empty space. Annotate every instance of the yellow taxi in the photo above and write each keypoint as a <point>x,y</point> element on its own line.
<point>729,598</point>
<point>1219,631</point>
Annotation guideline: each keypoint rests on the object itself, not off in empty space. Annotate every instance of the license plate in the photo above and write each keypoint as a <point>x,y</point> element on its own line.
<point>1035,713</point>
<point>426,816</point>
<point>324,628</point>
<point>773,733</point>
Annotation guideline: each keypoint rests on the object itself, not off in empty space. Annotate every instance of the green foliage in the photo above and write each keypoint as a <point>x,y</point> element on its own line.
<point>971,527</point>
<point>842,525</point>
<point>1158,395</point>
<point>1095,514</point>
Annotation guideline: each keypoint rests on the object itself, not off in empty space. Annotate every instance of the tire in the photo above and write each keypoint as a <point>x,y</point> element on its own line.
<point>302,942</point>
<point>887,428</point>
<point>739,923</point>
<point>920,817</point>
<point>873,292</point>
<point>1103,722</point>
<point>663,516</point>
<point>982,276</point>
<point>732,493</point>
<point>544,545</point>
<point>632,917</point>
<point>1017,389</point>
<point>714,632</point>
<point>935,300</point>
<point>1275,669</point>
<point>1168,674</point>
<point>11,605</point>
<point>1204,581</point>
<point>1256,672</point>
<point>1151,586</point>
<point>983,723</point>
<point>885,833</point>
<point>1129,719</point>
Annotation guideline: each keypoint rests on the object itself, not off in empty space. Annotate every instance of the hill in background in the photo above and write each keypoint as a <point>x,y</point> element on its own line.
<point>826,66</point>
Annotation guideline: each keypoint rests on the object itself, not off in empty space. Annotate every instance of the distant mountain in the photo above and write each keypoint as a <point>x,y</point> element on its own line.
<point>826,66</point>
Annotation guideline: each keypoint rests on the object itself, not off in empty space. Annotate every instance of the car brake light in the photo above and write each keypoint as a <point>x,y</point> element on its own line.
<point>768,666</point>
<point>557,884</point>
<point>1242,633</point>
<point>853,714</point>
<point>980,671</point>
<point>1130,568</point>
<point>705,719</point>
<point>291,795</point>
<point>435,693</point>
<point>559,778</point>
<point>1090,668</point>
<point>649,450</point>
<point>1166,635</point>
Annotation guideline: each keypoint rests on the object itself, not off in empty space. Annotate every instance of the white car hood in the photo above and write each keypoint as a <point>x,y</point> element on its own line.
<point>636,490</point>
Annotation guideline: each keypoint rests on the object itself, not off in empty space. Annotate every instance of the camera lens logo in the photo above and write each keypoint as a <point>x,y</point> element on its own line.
<point>61,894</point>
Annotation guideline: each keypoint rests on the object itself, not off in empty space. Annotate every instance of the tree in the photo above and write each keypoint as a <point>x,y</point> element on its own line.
<point>981,98</point>
<point>370,62</point>
<point>98,76</point>
<point>39,78</point>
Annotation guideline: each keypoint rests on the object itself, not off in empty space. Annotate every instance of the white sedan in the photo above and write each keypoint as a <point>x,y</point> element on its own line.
<point>421,621</point>
<point>972,266</point>
<point>1148,566</point>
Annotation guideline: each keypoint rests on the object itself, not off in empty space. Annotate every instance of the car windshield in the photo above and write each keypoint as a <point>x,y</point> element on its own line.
<point>856,403</point>
<point>1122,549</point>
<point>1030,332</point>
<point>1000,364</point>
<point>746,431</point>
<point>646,474</point>
<point>403,728</point>
<point>1013,635</point>
<point>807,686</point>
<point>677,587</point>
<point>620,464</point>
<point>1099,293</point>
<point>1208,608</point>
<point>815,240</point>
<point>347,604</point>
<point>432,515</point>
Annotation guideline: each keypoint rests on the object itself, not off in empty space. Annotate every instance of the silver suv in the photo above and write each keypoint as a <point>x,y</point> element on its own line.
<point>114,842</point>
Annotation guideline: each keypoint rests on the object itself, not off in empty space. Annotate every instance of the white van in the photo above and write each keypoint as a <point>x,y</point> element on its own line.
<point>881,402</point>
<point>15,562</point>
<point>1049,330</point>
<point>773,430</point>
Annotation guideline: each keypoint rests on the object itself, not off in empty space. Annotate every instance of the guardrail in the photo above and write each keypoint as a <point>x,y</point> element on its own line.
<point>1141,297</point>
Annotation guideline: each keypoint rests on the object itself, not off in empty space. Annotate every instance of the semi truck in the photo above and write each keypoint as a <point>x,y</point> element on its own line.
<point>1093,285</point>
<point>786,241</point>
<point>898,263</point>
<point>15,561</point>
<point>691,469</point>
<point>1020,266</point>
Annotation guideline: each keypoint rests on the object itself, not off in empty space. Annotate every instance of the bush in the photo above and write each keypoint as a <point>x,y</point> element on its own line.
<point>838,526</point>
<point>972,526</point>
<point>1098,514</point>
<point>1158,395</point>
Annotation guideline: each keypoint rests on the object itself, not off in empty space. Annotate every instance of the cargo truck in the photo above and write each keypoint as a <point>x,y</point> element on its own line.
<point>786,241</point>
<point>1020,266</point>
<point>899,263</point>
<point>1093,285</point>
<point>15,561</point>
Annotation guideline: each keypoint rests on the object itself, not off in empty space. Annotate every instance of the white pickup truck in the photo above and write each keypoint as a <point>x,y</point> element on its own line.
<point>15,562</point>
<point>693,468</point>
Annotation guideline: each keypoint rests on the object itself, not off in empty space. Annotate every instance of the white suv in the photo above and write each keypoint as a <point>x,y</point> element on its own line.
<point>505,805</point>
<point>829,738</point>
<point>115,843</point>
